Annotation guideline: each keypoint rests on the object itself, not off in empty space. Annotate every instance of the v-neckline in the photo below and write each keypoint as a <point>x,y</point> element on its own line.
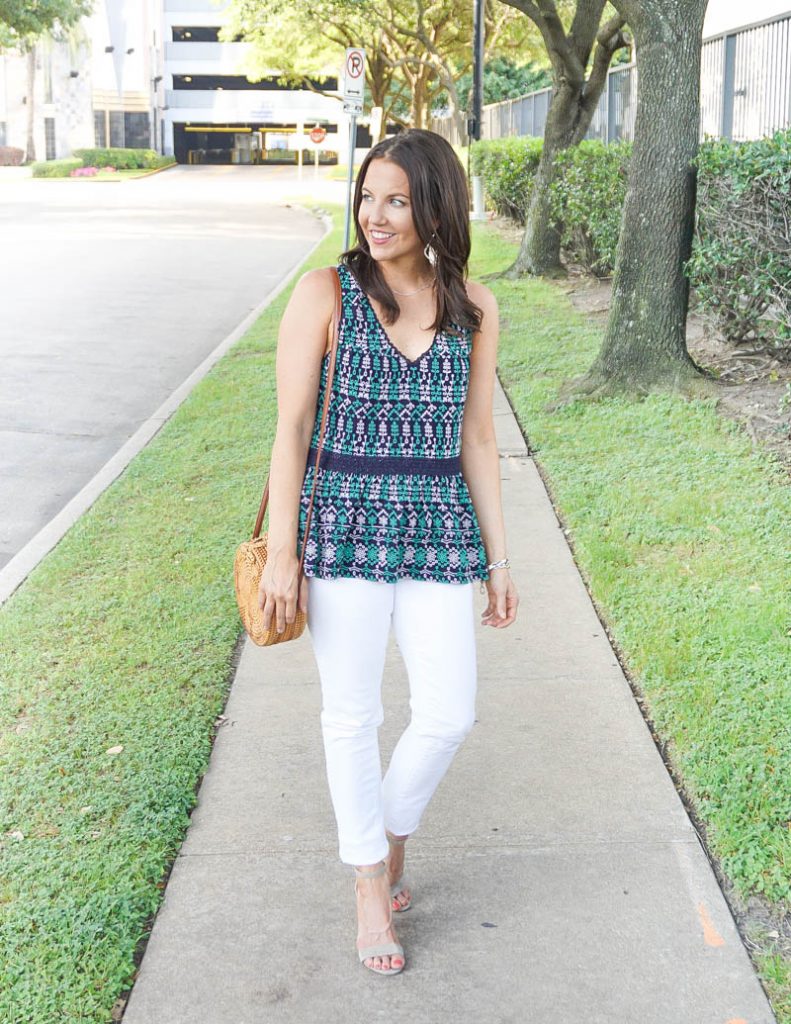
<point>389,340</point>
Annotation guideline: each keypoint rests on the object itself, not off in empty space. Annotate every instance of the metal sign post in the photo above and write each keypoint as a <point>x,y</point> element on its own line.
<point>317,136</point>
<point>474,124</point>
<point>353,96</point>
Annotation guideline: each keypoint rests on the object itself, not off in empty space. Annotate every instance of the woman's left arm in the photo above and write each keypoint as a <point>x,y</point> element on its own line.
<point>480,458</point>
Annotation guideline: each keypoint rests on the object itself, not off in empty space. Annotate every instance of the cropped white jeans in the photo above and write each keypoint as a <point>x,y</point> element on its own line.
<point>349,623</point>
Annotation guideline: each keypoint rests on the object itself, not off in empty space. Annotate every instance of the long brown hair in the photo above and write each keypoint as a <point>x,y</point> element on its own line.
<point>439,196</point>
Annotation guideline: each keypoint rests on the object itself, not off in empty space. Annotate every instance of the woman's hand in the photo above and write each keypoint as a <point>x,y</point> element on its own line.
<point>503,599</point>
<point>278,591</point>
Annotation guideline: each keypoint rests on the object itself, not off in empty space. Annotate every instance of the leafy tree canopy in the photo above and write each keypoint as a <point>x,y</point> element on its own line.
<point>21,20</point>
<point>505,80</point>
<point>416,49</point>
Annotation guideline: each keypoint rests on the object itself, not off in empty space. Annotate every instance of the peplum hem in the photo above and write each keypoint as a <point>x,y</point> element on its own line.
<point>386,528</point>
<point>387,556</point>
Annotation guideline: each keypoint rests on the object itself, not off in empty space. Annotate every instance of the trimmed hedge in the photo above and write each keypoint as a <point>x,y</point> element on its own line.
<point>741,261</point>
<point>507,167</point>
<point>587,198</point>
<point>163,161</point>
<point>56,168</point>
<point>740,265</point>
<point>121,159</point>
<point>118,159</point>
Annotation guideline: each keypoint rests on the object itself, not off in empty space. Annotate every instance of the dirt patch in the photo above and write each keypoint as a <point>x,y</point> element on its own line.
<point>756,388</point>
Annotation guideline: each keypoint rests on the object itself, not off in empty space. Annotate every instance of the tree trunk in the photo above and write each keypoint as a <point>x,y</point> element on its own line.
<point>420,95</point>
<point>378,93</point>
<point>645,339</point>
<point>572,104</point>
<point>566,124</point>
<point>459,123</point>
<point>417,106</point>
<point>379,79</point>
<point>30,154</point>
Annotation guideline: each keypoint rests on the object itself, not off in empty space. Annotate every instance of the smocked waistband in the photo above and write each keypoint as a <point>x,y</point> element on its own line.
<point>371,465</point>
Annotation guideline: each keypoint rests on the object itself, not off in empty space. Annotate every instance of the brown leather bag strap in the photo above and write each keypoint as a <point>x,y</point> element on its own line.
<point>330,374</point>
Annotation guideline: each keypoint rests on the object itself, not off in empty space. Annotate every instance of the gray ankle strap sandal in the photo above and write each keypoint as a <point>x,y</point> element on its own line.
<point>383,948</point>
<point>402,883</point>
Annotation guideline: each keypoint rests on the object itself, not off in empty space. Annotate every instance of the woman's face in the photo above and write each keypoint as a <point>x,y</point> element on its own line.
<point>385,213</point>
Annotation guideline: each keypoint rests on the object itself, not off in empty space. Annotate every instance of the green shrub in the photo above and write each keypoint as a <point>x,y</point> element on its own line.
<point>740,263</point>
<point>55,168</point>
<point>121,159</point>
<point>587,199</point>
<point>10,156</point>
<point>507,167</point>
<point>740,266</point>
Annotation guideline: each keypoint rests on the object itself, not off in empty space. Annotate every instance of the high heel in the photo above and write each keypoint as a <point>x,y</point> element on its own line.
<point>390,949</point>
<point>401,884</point>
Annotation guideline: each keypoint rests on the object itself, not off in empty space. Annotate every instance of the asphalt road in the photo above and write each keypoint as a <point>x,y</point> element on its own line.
<point>110,295</point>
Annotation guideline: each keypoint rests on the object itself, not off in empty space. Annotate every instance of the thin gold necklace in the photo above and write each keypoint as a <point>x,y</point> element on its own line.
<point>415,291</point>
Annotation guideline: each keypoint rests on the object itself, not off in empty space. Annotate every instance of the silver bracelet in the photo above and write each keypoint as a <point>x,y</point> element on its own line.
<point>502,564</point>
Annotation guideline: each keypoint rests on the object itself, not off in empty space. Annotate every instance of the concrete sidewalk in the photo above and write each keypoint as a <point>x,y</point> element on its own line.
<point>556,876</point>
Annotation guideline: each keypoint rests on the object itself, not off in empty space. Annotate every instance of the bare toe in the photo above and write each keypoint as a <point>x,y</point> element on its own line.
<point>401,898</point>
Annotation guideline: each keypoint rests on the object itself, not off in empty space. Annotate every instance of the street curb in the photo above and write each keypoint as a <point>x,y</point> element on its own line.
<point>16,571</point>
<point>150,171</point>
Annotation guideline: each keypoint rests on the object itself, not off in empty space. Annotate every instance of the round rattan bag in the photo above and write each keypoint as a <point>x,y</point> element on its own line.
<point>251,554</point>
<point>247,570</point>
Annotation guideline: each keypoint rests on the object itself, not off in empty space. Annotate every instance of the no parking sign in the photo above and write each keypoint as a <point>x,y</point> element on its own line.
<point>353,96</point>
<point>354,80</point>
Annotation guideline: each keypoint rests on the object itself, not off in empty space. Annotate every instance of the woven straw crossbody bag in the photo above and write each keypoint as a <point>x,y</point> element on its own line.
<point>251,554</point>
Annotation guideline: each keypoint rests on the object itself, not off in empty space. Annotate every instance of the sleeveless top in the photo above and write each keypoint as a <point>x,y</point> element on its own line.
<point>391,500</point>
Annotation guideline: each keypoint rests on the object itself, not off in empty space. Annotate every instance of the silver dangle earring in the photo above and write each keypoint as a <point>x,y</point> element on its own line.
<point>430,252</point>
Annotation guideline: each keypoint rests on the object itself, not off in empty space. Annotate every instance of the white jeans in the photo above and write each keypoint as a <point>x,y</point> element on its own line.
<point>349,623</point>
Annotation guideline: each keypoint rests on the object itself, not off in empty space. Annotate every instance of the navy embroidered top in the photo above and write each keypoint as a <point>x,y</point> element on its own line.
<point>391,500</point>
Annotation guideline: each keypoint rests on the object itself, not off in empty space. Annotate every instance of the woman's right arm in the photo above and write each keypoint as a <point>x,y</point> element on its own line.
<point>302,340</point>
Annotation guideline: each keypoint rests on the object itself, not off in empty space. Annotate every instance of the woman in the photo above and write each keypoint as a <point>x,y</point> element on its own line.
<point>407,511</point>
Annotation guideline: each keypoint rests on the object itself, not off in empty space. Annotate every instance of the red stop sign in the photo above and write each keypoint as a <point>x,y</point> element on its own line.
<point>318,134</point>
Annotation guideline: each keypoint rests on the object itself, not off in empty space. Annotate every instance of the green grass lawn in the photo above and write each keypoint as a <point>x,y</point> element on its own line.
<point>117,652</point>
<point>681,532</point>
<point>340,172</point>
<point>124,637</point>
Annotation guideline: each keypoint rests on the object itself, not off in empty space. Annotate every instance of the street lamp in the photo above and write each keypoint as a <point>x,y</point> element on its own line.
<point>474,122</point>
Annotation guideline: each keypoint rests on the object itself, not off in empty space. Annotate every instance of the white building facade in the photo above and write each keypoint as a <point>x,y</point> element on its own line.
<point>92,89</point>
<point>153,74</point>
<point>210,110</point>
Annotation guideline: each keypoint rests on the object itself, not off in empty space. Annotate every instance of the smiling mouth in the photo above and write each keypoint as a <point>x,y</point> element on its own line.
<point>380,236</point>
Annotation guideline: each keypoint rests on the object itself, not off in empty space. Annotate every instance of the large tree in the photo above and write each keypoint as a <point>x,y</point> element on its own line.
<point>318,32</point>
<point>644,345</point>
<point>22,23</point>
<point>580,52</point>
<point>415,49</point>
<point>504,80</point>
<point>436,37</point>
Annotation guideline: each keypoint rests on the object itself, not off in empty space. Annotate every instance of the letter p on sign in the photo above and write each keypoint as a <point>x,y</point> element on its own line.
<point>354,78</point>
